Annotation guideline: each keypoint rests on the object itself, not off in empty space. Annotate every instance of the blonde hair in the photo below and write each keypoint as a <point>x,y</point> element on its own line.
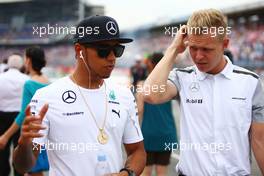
<point>207,19</point>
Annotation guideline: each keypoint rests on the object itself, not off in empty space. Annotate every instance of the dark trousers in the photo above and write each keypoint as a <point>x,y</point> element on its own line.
<point>6,120</point>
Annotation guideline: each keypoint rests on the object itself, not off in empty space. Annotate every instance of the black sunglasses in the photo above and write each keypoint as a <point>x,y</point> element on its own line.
<point>103,51</point>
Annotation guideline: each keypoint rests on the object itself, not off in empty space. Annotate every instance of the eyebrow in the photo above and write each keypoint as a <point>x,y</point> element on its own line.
<point>201,47</point>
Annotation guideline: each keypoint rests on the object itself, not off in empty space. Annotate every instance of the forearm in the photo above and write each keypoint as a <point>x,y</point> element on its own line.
<point>24,158</point>
<point>140,106</point>
<point>159,76</point>
<point>11,130</point>
<point>140,117</point>
<point>136,161</point>
<point>258,149</point>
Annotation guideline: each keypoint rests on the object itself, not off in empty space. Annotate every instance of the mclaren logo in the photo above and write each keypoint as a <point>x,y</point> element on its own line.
<point>69,96</point>
<point>111,28</point>
<point>194,87</point>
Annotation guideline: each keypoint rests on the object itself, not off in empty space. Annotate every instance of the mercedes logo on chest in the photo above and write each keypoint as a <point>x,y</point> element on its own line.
<point>69,96</point>
<point>111,28</point>
<point>194,87</point>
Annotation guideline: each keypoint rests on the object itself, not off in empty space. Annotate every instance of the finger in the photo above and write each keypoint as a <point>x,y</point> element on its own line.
<point>28,113</point>
<point>34,127</point>
<point>184,29</point>
<point>30,119</point>
<point>32,135</point>
<point>186,43</point>
<point>181,34</point>
<point>43,111</point>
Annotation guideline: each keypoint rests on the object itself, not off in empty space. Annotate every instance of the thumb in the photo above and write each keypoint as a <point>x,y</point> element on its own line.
<point>43,111</point>
<point>28,113</point>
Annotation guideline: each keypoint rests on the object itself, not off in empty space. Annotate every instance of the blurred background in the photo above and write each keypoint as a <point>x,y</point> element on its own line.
<point>145,21</point>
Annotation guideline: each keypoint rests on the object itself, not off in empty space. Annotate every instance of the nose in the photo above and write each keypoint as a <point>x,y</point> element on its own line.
<point>199,55</point>
<point>111,56</point>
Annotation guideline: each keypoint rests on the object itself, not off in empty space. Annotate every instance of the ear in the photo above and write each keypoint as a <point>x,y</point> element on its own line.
<point>81,54</point>
<point>225,42</point>
<point>28,62</point>
<point>78,49</point>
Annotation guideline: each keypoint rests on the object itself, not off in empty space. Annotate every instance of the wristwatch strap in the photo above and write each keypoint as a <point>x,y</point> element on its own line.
<point>129,171</point>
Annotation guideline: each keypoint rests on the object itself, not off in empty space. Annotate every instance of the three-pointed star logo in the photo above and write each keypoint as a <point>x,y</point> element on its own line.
<point>111,28</point>
<point>194,87</point>
<point>69,96</point>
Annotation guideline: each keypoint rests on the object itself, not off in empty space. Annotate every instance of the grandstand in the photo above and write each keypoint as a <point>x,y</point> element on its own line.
<point>20,18</point>
<point>247,35</point>
<point>17,27</point>
<point>16,31</point>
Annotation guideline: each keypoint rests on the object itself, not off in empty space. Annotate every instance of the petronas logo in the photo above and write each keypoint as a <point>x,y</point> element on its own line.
<point>112,95</point>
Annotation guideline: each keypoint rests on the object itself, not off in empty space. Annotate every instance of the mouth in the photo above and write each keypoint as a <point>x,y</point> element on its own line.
<point>201,63</point>
<point>110,67</point>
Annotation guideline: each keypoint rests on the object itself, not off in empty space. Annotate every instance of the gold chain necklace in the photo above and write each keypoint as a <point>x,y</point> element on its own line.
<point>102,136</point>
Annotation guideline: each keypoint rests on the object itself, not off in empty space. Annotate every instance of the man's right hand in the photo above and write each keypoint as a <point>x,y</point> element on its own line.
<point>31,126</point>
<point>179,42</point>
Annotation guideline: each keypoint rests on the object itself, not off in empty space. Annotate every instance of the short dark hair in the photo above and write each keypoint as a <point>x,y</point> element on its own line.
<point>37,57</point>
<point>156,57</point>
<point>5,60</point>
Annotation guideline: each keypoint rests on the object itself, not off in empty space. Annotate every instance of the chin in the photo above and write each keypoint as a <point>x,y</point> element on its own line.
<point>202,69</point>
<point>106,76</point>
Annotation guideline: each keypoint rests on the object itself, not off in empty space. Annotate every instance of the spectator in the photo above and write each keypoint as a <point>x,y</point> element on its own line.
<point>11,82</point>
<point>158,128</point>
